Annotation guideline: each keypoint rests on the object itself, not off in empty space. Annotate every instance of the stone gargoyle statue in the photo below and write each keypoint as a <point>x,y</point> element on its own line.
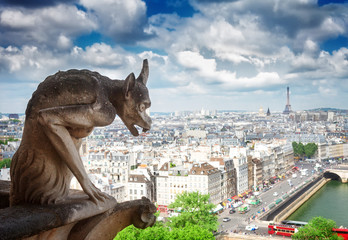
<point>62,111</point>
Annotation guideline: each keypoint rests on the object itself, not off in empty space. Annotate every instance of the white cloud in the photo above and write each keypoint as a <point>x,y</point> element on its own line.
<point>17,20</point>
<point>99,54</point>
<point>63,42</point>
<point>121,20</point>
<point>42,27</point>
<point>231,51</point>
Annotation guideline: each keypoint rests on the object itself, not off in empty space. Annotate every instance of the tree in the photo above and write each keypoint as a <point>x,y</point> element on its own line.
<point>194,223</point>
<point>307,150</point>
<point>195,210</point>
<point>295,148</point>
<point>128,233</point>
<point>191,232</point>
<point>5,163</point>
<point>317,228</point>
<point>300,150</point>
<point>5,142</point>
<point>158,232</point>
<point>310,149</point>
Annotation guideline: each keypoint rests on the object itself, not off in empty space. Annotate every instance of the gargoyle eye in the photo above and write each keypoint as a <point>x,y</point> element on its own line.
<point>142,107</point>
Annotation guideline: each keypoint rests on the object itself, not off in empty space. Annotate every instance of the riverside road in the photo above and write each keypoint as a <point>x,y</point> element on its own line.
<point>239,221</point>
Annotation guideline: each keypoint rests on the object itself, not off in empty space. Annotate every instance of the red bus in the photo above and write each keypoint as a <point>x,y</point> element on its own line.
<point>288,228</point>
<point>343,232</point>
<point>284,229</point>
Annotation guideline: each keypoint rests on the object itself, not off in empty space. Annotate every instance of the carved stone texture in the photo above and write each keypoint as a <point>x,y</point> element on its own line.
<point>107,225</point>
<point>64,109</point>
<point>76,219</point>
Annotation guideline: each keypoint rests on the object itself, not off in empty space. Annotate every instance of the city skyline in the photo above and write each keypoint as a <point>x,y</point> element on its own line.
<point>223,55</point>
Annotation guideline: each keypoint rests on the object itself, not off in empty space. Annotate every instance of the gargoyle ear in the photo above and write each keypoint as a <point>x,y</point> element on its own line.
<point>129,84</point>
<point>143,76</point>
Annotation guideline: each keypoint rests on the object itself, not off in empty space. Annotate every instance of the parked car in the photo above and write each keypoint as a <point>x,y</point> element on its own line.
<point>237,204</point>
<point>226,219</point>
<point>251,227</point>
<point>232,211</point>
<point>275,194</point>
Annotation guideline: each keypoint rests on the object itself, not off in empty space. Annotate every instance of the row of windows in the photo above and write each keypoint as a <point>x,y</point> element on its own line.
<point>101,156</point>
<point>106,164</point>
<point>136,192</point>
<point>195,185</point>
<point>283,230</point>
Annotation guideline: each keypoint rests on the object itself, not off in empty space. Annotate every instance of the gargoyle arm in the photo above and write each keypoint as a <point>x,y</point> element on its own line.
<point>60,124</point>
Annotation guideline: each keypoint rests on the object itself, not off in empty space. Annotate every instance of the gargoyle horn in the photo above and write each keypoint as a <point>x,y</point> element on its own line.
<point>143,76</point>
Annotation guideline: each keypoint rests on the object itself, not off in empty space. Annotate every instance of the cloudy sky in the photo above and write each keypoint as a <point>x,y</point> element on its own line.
<point>222,54</point>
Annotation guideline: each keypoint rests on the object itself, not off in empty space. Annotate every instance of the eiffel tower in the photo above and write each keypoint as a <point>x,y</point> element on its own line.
<point>287,109</point>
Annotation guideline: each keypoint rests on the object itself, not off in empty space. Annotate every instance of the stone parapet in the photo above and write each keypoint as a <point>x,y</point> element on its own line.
<point>77,218</point>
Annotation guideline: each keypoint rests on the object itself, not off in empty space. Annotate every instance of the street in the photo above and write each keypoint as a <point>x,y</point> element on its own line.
<point>239,221</point>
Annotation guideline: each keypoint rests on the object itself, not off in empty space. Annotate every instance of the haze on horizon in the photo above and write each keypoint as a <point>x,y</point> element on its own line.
<point>223,55</point>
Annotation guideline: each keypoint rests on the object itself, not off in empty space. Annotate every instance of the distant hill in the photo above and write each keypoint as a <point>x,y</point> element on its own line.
<point>328,110</point>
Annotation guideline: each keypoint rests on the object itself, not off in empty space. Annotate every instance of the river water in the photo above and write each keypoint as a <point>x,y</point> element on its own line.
<point>331,202</point>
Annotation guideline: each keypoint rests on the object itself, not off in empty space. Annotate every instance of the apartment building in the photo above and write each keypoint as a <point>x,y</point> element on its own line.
<point>201,177</point>
<point>139,186</point>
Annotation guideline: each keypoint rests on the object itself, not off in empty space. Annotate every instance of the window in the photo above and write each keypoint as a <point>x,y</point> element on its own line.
<point>130,191</point>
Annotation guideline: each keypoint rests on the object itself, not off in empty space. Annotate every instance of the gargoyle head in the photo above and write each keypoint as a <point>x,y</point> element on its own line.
<point>136,101</point>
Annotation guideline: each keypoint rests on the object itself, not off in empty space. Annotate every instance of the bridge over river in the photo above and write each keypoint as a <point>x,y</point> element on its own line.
<point>339,173</point>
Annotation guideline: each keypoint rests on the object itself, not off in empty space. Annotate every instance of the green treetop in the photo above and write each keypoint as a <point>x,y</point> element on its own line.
<point>195,222</point>
<point>195,210</point>
<point>318,228</point>
<point>307,150</point>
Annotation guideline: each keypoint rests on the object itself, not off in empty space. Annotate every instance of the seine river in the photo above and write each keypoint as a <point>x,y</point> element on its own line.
<point>331,202</point>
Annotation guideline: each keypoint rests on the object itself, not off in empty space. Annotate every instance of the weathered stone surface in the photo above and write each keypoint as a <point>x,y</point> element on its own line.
<point>138,212</point>
<point>4,194</point>
<point>64,109</point>
<point>78,218</point>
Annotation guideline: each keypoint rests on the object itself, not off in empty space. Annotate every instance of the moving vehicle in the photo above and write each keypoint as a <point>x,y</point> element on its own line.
<point>226,219</point>
<point>251,227</point>
<point>275,194</point>
<point>232,211</point>
<point>254,201</point>
<point>287,229</point>
<point>243,209</point>
<point>290,183</point>
<point>304,172</point>
<point>237,204</point>
<point>295,223</point>
<point>343,232</point>
<point>284,229</point>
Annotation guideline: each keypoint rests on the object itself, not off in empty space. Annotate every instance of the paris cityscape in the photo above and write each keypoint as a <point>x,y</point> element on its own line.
<point>248,104</point>
<point>230,155</point>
